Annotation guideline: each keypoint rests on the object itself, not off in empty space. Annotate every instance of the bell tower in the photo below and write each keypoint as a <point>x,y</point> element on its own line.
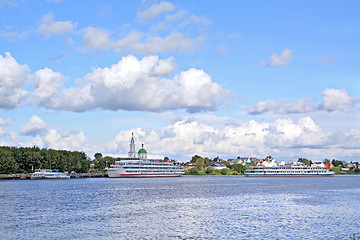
<point>132,152</point>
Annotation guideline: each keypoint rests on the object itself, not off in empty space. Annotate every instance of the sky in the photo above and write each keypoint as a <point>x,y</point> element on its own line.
<point>212,78</point>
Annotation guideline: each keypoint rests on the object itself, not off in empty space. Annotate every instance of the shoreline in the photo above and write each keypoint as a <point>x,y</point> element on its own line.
<point>23,176</point>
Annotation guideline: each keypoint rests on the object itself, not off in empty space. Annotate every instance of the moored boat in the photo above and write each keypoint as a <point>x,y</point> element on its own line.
<point>48,174</point>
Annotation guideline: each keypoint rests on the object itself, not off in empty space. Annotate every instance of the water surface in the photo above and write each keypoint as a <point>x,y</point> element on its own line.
<point>189,207</point>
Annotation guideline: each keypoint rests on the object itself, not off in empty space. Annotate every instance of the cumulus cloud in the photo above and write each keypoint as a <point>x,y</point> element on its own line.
<point>13,77</point>
<point>96,38</point>
<point>277,61</point>
<point>49,27</point>
<point>332,100</point>
<point>131,84</point>
<point>155,11</point>
<point>281,138</point>
<point>46,87</point>
<point>35,126</point>
<point>283,107</point>
<point>336,99</point>
<point>72,140</point>
<point>139,84</point>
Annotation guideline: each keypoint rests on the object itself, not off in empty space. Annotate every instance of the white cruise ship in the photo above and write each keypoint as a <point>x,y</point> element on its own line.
<point>141,166</point>
<point>288,171</point>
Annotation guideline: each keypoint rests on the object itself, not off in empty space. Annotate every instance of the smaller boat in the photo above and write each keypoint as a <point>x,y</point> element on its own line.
<point>48,174</point>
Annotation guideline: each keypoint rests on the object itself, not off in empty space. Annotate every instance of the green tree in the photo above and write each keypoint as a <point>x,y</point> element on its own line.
<point>238,168</point>
<point>306,161</point>
<point>194,171</point>
<point>7,162</point>
<point>209,170</point>
<point>194,158</point>
<point>336,163</point>
<point>337,170</point>
<point>98,155</point>
<point>200,163</point>
<point>225,171</point>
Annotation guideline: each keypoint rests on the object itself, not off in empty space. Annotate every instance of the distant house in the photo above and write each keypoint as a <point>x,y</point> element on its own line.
<point>237,161</point>
<point>256,161</point>
<point>217,165</point>
<point>328,165</point>
<point>318,164</point>
<point>350,165</point>
<point>189,166</point>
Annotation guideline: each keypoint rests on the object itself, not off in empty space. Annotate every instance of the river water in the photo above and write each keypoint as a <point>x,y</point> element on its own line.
<point>189,207</point>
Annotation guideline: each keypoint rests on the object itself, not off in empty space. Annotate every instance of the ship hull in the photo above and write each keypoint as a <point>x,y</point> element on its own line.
<point>288,175</point>
<point>115,174</point>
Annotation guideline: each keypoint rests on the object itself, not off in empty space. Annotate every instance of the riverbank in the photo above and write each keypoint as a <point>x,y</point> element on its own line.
<point>23,176</point>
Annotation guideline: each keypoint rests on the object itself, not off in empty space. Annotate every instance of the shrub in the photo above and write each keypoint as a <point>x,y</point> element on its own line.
<point>194,171</point>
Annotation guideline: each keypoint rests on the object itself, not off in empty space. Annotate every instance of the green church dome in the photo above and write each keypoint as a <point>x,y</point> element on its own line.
<point>142,151</point>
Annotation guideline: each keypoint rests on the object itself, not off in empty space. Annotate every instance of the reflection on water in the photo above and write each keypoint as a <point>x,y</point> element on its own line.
<point>190,207</point>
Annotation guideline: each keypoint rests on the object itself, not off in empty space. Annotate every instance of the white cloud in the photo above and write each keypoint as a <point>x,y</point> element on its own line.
<point>155,11</point>
<point>180,14</point>
<point>69,41</point>
<point>2,123</point>
<point>304,133</point>
<point>333,100</point>
<point>139,84</point>
<point>73,140</point>
<point>5,122</point>
<point>13,77</point>
<point>179,32</point>
<point>35,126</point>
<point>283,138</point>
<point>96,38</point>
<point>49,28</point>
<point>2,132</point>
<point>46,87</point>
<point>336,99</point>
<point>284,107</point>
<point>277,61</point>
<point>131,84</point>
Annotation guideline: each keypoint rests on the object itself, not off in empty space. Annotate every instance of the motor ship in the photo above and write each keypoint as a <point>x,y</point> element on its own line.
<point>141,166</point>
<point>48,174</point>
<point>297,170</point>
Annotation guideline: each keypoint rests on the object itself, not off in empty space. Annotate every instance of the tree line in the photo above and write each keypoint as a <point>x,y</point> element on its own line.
<point>27,159</point>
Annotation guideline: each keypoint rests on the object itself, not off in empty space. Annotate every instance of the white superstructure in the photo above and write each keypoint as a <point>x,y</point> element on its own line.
<point>141,166</point>
<point>288,171</point>
<point>48,174</point>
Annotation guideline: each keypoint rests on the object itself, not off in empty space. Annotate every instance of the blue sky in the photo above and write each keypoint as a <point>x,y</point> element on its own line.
<point>233,78</point>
